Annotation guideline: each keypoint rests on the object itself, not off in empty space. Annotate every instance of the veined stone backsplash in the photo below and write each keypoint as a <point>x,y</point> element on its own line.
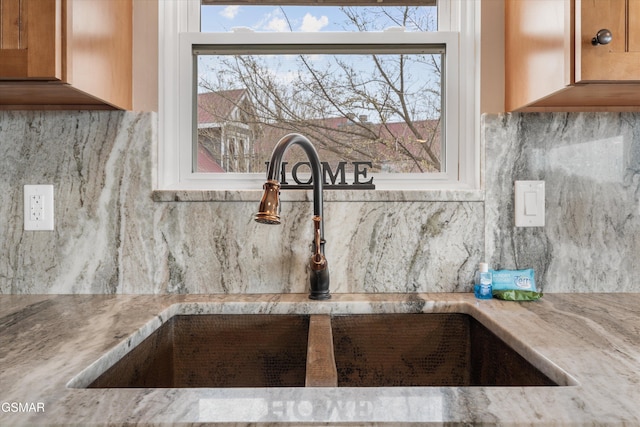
<point>111,237</point>
<point>590,163</point>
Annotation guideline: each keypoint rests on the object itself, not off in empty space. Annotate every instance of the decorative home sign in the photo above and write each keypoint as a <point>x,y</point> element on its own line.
<point>360,181</point>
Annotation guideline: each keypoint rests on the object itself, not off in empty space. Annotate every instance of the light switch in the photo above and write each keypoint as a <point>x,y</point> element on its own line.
<point>529,203</point>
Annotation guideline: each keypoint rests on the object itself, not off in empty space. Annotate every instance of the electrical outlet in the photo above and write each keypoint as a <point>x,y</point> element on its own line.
<point>38,207</point>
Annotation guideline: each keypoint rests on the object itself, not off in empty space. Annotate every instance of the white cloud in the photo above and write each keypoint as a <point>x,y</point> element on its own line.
<point>277,24</point>
<point>230,12</point>
<point>312,24</point>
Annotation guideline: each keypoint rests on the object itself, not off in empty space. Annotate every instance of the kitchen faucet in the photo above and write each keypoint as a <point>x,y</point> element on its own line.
<point>269,210</point>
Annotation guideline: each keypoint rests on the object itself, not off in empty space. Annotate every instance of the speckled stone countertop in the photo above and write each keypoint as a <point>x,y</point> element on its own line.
<point>588,343</point>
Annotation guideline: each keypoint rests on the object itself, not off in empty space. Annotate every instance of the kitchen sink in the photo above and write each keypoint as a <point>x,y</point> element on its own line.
<point>318,350</point>
<point>436,349</point>
<point>216,351</point>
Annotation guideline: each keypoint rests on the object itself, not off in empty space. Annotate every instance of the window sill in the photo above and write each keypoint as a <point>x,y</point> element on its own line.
<point>329,195</point>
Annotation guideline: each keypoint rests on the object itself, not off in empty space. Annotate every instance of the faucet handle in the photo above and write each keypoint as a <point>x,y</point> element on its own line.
<point>318,260</point>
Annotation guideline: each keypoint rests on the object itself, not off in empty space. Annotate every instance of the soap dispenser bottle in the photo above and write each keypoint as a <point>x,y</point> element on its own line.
<point>482,282</point>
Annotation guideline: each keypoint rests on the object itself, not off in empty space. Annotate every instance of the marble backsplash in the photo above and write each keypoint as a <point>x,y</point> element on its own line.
<point>590,163</point>
<point>112,237</point>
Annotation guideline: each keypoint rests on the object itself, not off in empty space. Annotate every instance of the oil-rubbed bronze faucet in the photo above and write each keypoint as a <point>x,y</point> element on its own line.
<point>269,211</point>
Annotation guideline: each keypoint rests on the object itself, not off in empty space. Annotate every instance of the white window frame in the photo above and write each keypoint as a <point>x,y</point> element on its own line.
<point>179,24</point>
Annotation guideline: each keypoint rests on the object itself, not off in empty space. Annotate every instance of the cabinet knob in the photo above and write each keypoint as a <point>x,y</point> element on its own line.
<point>603,36</point>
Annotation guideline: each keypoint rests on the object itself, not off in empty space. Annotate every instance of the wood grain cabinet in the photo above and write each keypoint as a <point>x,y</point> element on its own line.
<point>552,64</point>
<point>64,54</point>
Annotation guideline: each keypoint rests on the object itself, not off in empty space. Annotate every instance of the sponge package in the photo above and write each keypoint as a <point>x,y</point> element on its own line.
<point>515,285</point>
<point>517,295</point>
<point>513,279</point>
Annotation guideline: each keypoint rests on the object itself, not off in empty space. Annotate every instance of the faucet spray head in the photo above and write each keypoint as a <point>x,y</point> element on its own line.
<point>269,210</point>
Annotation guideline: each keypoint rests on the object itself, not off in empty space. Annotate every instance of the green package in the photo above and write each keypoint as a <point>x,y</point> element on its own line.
<point>516,295</point>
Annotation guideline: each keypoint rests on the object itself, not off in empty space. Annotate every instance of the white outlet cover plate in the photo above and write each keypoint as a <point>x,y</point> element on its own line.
<point>529,203</point>
<point>46,196</point>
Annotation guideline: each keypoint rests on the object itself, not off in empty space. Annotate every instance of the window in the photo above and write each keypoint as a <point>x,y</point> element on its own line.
<point>402,102</point>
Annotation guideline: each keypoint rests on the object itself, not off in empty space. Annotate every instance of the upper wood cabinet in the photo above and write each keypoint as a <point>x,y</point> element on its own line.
<point>551,63</point>
<point>65,54</point>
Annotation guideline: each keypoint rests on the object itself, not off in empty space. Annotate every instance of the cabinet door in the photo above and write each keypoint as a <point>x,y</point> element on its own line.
<point>633,28</point>
<point>30,39</point>
<point>538,53</point>
<point>620,59</point>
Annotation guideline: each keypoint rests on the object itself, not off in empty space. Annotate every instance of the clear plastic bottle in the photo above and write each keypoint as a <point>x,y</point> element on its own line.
<point>482,282</point>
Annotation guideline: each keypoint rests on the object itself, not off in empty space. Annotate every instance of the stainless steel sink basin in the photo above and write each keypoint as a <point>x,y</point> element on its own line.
<point>360,350</point>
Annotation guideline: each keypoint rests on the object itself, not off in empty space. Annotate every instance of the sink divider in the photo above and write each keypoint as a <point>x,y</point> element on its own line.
<point>321,363</point>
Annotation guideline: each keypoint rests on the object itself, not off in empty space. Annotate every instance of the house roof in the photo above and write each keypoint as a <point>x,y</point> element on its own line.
<point>215,107</point>
<point>206,162</point>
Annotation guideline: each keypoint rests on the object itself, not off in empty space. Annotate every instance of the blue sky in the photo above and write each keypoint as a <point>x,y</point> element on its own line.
<point>285,69</point>
<point>271,18</point>
<point>274,18</point>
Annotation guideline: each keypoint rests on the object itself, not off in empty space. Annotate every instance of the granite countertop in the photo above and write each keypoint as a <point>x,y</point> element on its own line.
<point>589,342</point>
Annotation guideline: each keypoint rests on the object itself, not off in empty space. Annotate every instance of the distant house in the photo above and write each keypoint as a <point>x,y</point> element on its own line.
<point>231,138</point>
<point>390,147</point>
<point>226,132</point>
